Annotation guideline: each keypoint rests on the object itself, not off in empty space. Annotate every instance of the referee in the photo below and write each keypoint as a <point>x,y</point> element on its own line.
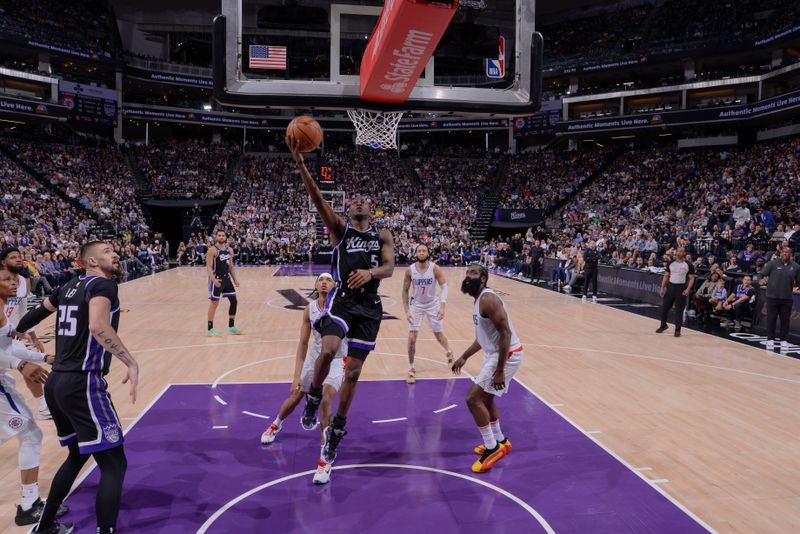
<point>780,276</point>
<point>591,258</point>
<point>675,289</point>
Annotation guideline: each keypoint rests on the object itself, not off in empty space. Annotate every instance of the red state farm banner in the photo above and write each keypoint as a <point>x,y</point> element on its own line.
<point>401,44</point>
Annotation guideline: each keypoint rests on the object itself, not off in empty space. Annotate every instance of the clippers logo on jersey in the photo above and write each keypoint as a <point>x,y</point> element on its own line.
<point>15,423</point>
<point>358,244</point>
<point>423,282</point>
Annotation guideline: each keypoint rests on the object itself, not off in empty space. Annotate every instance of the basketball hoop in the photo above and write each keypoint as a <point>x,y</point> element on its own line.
<point>376,129</point>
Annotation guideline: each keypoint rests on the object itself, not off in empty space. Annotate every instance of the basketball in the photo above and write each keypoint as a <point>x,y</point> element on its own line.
<point>305,131</point>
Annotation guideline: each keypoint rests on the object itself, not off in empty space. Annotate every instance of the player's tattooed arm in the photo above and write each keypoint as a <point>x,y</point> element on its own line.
<point>102,330</point>
<point>406,289</point>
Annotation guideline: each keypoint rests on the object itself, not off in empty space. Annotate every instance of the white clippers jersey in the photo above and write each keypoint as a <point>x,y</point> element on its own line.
<point>487,335</point>
<point>17,306</point>
<point>423,286</point>
<point>315,346</point>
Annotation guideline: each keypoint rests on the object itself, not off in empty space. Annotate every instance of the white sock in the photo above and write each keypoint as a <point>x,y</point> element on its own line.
<point>498,434</point>
<point>488,437</point>
<point>278,421</point>
<point>411,368</point>
<point>41,403</point>
<point>28,496</point>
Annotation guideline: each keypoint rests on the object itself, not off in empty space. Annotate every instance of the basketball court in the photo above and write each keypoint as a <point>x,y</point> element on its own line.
<point>615,428</point>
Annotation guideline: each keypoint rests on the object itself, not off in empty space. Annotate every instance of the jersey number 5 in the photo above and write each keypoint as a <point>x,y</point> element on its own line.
<point>67,322</point>
<point>375,260</point>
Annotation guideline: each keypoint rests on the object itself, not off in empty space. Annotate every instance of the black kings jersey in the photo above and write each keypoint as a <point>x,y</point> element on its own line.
<point>356,250</point>
<point>222,267</point>
<point>76,348</point>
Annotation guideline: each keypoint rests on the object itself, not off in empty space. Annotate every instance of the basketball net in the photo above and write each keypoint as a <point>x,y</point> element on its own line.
<point>376,129</point>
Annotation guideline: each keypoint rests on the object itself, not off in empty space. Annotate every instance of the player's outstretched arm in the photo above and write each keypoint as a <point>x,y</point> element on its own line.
<point>334,223</point>
<point>104,333</point>
<point>302,348</point>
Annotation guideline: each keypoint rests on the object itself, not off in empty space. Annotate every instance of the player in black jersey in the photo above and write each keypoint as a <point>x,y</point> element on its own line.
<point>362,256</point>
<point>221,282</point>
<point>85,418</point>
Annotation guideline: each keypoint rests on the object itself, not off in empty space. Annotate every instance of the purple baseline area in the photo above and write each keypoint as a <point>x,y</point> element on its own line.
<point>181,470</point>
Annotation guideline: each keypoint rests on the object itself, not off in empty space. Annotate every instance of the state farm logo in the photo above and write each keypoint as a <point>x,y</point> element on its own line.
<point>406,60</point>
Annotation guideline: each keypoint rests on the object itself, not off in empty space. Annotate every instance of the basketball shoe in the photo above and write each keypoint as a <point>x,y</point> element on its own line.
<point>488,459</point>
<point>333,436</point>
<point>309,418</point>
<point>506,444</point>
<point>323,473</point>
<point>270,434</point>
<point>235,331</point>
<point>212,333</point>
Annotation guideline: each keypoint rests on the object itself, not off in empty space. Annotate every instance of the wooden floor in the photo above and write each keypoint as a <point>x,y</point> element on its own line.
<point>717,423</point>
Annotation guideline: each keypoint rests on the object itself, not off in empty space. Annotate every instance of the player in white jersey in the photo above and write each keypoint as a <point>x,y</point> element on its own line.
<point>16,419</point>
<point>422,276</point>
<point>306,358</point>
<point>14,309</point>
<point>502,357</point>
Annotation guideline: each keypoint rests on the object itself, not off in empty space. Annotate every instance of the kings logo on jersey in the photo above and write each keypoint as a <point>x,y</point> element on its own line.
<point>358,244</point>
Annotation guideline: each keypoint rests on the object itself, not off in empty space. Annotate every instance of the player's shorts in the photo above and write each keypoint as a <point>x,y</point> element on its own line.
<point>82,411</point>
<point>358,319</point>
<point>335,375</point>
<point>484,378</point>
<point>225,289</point>
<point>418,313</point>
<point>14,412</point>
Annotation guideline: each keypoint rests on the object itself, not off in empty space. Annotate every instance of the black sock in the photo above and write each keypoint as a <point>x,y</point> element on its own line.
<point>315,393</point>
<point>339,421</point>
<point>230,322</point>
<point>210,325</point>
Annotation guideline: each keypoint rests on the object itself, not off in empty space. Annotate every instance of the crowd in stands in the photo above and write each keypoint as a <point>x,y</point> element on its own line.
<point>636,32</point>
<point>186,169</point>
<point>97,178</point>
<point>731,210</point>
<point>76,25</point>
<point>267,214</point>
<point>49,231</point>
<point>543,179</point>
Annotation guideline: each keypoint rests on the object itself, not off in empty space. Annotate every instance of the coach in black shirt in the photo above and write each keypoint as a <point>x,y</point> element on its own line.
<point>591,258</point>
<point>676,285</point>
<point>781,276</point>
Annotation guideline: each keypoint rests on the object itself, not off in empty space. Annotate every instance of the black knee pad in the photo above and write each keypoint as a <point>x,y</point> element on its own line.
<point>234,304</point>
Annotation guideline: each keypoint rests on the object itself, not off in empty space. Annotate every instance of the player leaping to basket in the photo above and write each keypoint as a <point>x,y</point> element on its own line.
<point>362,256</point>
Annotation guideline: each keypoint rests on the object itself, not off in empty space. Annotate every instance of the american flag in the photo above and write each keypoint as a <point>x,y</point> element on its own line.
<point>267,57</point>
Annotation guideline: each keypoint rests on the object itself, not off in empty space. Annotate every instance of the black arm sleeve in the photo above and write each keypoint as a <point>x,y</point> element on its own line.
<point>32,318</point>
